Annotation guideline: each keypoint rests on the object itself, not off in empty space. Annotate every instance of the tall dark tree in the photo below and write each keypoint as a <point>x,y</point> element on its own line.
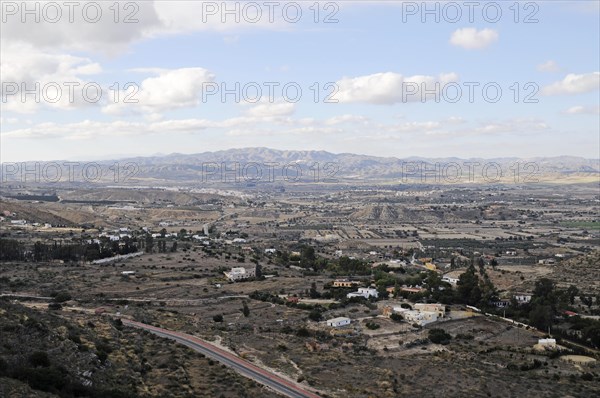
<point>543,304</point>
<point>481,264</point>
<point>149,243</point>
<point>258,271</point>
<point>245,310</point>
<point>572,292</point>
<point>544,292</point>
<point>468,291</point>
<point>541,316</point>
<point>314,293</point>
<point>307,257</point>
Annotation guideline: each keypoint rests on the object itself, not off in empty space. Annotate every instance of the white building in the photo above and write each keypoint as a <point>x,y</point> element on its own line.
<point>338,322</point>
<point>240,273</point>
<point>270,251</point>
<point>547,343</point>
<point>440,309</point>
<point>365,292</point>
<point>450,280</point>
<point>18,222</point>
<point>522,298</point>
<point>421,318</point>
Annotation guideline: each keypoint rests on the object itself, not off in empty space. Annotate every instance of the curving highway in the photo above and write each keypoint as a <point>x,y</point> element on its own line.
<point>241,366</point>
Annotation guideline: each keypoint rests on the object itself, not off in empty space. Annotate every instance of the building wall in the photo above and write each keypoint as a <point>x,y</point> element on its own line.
<point>439,308</point>
<point>343,283</point>
<point>338,323</point>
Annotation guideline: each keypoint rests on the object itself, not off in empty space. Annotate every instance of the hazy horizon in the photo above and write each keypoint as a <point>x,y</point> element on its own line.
<point>111,157</point>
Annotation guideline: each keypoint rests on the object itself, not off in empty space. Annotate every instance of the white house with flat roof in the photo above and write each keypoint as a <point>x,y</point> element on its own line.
<point>547,343</point>
<point>440,309</point>
<point>421,318</point>
<point>451,280</point>
<point>240,273</point>
<point>365,292</point>
<point>338,322</point>
<point>523,298</point>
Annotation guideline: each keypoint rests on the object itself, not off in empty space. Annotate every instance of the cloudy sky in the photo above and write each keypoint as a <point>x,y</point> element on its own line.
<point>388,78</point>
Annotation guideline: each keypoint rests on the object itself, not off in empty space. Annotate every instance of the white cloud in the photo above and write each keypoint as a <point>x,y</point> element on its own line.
<point>472,39</point>
<point>415,127</point>
<point>180,16</point>
<point>455,120</point>
<point>355,119</point>
<point>171,89</point>
<point>511,126</point>
<point>548,66</point>
<point>574,84</point>
<point>243,125</point>
<point>8,120</point>
<point>298,131</point>
<point>390,88</point>
<point>103,35</point>
<point>583,110</point>
<point>90,129</point>
<point>110,34</point>
<point>26,67</point>
<point>448,130</point>
<point>271,109</point>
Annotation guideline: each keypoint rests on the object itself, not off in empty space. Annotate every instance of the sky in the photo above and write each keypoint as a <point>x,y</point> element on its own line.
<point>106,79</point>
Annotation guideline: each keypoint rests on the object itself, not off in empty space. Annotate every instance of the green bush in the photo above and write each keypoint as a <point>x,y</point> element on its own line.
<point>39,359</point>
<point>302,332</point>
<point>396,317</point>
<point>61,297</point>
<point>372,326</point>
<point>46,379</point>
<point>587,377</point>
<point>439,336</point>
<point>102,356</point>
<point>3,367</point>
<point>315,315</point>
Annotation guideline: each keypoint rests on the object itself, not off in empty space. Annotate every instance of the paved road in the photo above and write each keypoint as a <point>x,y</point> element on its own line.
<point>241,366</point>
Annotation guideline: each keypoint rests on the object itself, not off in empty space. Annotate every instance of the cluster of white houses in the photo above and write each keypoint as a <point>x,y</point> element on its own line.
<point>421,314</point>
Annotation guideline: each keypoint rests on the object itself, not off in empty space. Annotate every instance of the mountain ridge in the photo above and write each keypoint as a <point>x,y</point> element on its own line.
<point>191,168</point>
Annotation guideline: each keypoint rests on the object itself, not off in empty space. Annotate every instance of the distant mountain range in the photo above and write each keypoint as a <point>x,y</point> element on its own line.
<point>247,164</point>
